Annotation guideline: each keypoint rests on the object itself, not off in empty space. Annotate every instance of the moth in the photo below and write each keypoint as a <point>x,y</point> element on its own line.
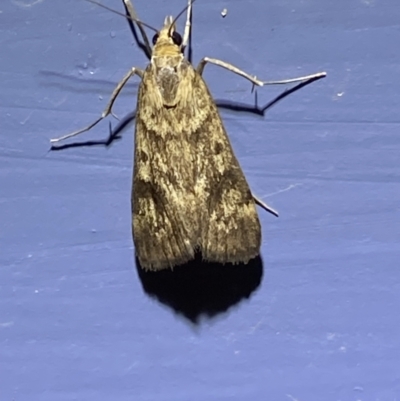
<point>189,193</point>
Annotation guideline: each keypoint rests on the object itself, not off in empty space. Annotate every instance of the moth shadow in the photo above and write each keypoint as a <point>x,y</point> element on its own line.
<point>202,289</point>
<point>82,85</point>
<point>114,134</point>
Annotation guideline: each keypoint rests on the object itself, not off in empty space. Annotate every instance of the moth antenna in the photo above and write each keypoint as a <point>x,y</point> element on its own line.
<point>123,15</point>
<point>176,18</point>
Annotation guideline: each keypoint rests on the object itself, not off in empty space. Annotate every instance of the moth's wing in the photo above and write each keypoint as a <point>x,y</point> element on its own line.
<point>162,233</point>
<point>188,189</point>
<point>232,232</point>
<point>159,242</point>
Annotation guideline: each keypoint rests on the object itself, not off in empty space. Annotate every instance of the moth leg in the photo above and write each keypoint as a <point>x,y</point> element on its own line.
<point>186,33</point>
<point>108,109</point>
<point>254,79</point>
<point>134,17</point>
<point>262,204</point>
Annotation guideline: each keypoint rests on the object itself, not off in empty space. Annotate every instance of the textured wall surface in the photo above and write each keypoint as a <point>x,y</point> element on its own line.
<point>317,320</point>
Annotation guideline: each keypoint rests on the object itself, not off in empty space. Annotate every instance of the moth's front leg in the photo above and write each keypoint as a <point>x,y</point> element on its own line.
<point>132,15</point>
<point>188,25</point>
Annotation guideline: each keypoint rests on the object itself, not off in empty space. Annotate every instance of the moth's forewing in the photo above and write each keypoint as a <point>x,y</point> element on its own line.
<point>189,192</point>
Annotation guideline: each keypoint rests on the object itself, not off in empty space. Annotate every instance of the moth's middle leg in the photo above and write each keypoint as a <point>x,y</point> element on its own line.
<point>108,109</point>
<point>251,78</point>
<point>255,81</point>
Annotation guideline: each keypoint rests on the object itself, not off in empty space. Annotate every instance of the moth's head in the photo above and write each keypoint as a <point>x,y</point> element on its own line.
<point>167,39</point>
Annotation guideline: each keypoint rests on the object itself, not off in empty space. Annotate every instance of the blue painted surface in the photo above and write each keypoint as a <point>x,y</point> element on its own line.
<point>75,322</point>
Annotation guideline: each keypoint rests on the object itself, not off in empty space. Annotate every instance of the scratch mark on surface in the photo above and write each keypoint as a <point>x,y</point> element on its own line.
<point>56,103</point>
<point>6,324</point>
<point>291,186</point>
<point>340,89</point>
<point>255,327</point>
<point>23,122</point>
<point>28,4</point>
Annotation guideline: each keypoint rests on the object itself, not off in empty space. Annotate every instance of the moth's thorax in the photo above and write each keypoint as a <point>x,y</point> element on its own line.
<point>166,63</point>
<point>167,70</point>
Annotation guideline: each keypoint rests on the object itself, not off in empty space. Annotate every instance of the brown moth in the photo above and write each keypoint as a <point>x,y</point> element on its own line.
<point>189,193</point>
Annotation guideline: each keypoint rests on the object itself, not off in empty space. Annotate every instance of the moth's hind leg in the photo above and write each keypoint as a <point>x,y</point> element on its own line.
<point>107,110</point>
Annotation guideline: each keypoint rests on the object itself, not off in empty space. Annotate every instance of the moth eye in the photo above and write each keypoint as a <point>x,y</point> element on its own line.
<point>155,38</point>
<point>177,38</point>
